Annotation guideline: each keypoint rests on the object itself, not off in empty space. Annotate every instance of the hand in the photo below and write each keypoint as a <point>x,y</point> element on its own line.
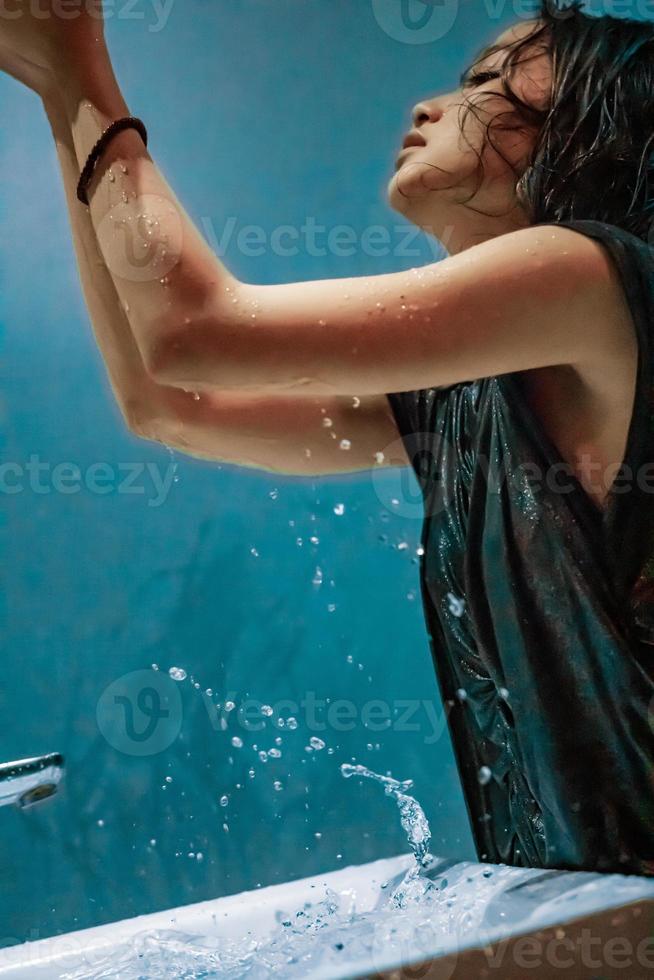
<point>37,49</point>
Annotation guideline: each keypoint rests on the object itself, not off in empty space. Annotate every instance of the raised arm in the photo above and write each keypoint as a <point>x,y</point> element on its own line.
<point>523,300</point>
<point>131,384</point>
<point>264,432</point>
<point>259,431</point>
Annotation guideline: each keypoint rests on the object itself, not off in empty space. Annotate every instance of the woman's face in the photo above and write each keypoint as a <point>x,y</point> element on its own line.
<point>436,175</point>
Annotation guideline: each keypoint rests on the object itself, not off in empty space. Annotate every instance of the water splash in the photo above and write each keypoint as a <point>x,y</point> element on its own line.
<point>325,935</point>
<point>412,816</point>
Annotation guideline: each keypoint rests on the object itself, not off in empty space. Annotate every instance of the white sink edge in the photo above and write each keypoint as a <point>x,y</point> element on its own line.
<point>514,893</point>
<point>284,895</point>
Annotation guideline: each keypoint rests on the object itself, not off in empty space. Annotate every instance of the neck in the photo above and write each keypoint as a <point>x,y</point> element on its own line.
<point>458,232</point>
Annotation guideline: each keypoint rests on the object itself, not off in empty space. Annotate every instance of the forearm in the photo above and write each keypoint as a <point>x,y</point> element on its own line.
<point>130,382</point>
<point>235,427</point>
<point>162,269</point>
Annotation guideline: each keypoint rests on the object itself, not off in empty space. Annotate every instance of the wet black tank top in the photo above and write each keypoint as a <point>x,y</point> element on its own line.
<point>539,607</point>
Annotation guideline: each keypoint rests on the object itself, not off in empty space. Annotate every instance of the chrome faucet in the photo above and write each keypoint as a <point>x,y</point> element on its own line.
<point>28,781</point>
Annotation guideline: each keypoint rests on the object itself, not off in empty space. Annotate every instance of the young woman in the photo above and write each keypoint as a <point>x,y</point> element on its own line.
<point>516,377</point>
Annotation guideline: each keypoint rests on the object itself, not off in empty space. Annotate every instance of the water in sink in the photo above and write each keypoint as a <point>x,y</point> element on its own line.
<point>416,913</point>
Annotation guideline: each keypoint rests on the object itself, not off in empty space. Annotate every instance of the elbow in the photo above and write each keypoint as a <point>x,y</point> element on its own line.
<point>137,417</point>
<point>201,351</point>
<point>178,356</point>
<point>143,422</point>
<point>164,357</point>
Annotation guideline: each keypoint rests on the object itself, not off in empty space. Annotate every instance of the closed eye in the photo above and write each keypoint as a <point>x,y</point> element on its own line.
<point>469,79</point>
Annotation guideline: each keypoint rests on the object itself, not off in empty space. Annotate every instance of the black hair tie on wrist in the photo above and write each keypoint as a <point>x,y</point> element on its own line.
<point>127,122</point>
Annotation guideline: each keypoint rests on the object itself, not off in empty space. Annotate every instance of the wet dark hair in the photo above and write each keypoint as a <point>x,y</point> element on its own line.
<point>594,150</point>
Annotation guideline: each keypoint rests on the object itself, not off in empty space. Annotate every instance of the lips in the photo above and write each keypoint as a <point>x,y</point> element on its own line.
<point>413,139</point>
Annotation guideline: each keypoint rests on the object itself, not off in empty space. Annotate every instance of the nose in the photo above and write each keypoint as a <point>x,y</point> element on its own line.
<point>430,110</point>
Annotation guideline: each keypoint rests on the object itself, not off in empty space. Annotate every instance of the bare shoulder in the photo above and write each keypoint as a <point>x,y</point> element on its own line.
<point>607,329</point>
<point>585,399</point>
<point>582,293</point>
<point>586,406</point>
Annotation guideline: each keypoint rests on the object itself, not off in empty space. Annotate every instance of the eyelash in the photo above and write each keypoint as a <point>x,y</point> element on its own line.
<point>478,78</point>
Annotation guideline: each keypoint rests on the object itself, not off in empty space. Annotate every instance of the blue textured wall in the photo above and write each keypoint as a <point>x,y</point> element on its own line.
<point>266,114</point>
